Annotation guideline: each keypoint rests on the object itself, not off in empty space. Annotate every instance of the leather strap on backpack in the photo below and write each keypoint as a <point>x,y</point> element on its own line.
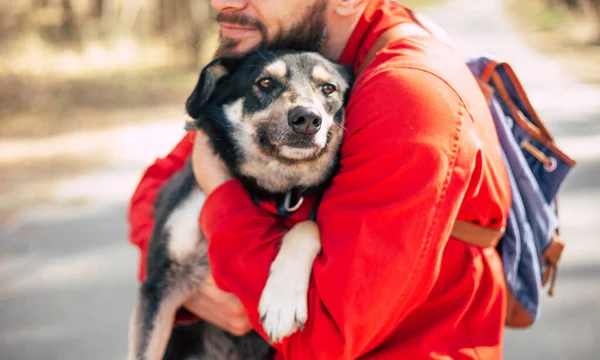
<point>471,233</point>
<point>394,33</point>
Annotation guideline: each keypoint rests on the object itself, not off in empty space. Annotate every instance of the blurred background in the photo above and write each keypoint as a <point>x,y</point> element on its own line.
<point>91,91</point>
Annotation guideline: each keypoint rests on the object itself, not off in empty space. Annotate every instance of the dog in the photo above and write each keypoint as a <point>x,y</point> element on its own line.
<point>276,119</point>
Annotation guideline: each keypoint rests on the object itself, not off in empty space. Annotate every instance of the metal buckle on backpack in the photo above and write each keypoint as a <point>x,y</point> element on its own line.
<point>551,165</point>
<point>549,162</point>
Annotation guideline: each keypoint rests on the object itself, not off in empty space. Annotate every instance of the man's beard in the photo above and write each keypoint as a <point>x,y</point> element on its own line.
<point>309,34</point>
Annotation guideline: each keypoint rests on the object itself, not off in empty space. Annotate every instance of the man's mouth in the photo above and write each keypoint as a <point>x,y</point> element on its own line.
<point>237,26</point>
<point>229,30</point>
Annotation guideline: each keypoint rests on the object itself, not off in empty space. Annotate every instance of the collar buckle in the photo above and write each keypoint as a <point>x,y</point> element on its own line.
<point>287,202</point>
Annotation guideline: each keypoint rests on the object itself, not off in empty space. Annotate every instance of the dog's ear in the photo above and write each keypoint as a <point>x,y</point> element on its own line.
<point>347,72</point>
<point>210,76</point>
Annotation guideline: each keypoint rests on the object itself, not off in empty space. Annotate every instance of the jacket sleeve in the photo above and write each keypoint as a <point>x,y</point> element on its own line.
<point>406,162</point>
<point>141,207</point>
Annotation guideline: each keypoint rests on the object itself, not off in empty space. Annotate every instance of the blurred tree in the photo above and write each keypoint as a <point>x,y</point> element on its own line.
<point>68,26</point>
<point>588,9</point>
<point>184,23</point>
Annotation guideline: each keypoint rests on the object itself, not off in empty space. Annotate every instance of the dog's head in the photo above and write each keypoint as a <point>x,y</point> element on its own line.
<point>276,118</point>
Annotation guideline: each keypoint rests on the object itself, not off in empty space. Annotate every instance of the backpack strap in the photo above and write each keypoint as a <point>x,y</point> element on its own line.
<point>390,35</point>
<point>466,231</point>
<point>489,73</point>
<point>536,127</point>
<point>477,235</point>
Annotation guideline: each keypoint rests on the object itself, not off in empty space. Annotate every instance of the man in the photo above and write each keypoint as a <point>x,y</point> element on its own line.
<point>420,151</point>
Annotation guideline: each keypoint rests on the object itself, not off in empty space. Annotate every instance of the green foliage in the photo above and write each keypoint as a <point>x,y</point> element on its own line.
<point>560,16</point>
<point>537,15</point>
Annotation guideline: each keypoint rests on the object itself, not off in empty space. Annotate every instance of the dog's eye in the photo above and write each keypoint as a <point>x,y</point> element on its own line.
<point>265,83</point>
<point>328,89</point>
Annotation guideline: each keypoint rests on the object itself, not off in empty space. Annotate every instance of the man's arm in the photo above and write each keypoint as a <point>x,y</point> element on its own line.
<point>406,162</point>
<point>141,207</point>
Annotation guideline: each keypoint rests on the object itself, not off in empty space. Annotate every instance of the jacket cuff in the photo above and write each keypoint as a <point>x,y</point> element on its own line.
<point>226,199</point>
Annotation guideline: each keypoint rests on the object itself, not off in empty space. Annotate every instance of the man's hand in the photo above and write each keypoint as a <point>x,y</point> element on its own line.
<point>219,308</point>
<point>210,171</point>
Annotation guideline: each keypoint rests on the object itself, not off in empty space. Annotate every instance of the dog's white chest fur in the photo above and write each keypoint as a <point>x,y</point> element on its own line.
<point>183,226</point>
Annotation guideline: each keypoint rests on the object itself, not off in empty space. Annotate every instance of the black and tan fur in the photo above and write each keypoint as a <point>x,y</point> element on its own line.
<point>276,119</point>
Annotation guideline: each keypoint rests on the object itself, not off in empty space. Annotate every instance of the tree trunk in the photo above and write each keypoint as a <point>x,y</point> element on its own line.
<point>68,28</point>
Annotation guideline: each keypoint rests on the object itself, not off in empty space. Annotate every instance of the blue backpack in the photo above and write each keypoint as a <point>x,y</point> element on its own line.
<point>530,247</point>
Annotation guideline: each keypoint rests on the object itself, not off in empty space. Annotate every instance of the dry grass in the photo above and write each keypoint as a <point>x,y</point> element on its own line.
<point>419,4</point>
<point>48,105</point>
<point>50,90</point>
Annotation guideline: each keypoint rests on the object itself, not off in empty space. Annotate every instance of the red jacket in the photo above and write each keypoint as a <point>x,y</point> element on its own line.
<point>420,150</point>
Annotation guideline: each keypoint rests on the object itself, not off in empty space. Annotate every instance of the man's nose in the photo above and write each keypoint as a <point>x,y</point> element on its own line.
<point>304,120</point>
<point>228,5</point>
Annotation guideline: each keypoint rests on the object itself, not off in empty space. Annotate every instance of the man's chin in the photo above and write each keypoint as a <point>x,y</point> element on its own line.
<point>237,47</point>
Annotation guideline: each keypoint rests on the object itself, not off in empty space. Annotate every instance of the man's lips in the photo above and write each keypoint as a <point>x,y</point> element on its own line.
<point>236,26</point>
<point>228,29</point>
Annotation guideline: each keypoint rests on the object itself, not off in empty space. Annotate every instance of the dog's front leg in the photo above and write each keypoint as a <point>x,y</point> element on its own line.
<point>283,305</point>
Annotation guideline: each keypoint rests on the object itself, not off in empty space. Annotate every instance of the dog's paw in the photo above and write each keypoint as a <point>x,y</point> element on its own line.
<point>283,303</point>
<point>282,306</point>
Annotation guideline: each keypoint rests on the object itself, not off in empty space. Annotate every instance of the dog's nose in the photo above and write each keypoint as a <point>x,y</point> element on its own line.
<point>304,120</point>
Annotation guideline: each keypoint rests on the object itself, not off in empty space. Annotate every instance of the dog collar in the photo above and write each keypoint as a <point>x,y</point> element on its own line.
<point>291,202</point>
<point>287,202</point>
